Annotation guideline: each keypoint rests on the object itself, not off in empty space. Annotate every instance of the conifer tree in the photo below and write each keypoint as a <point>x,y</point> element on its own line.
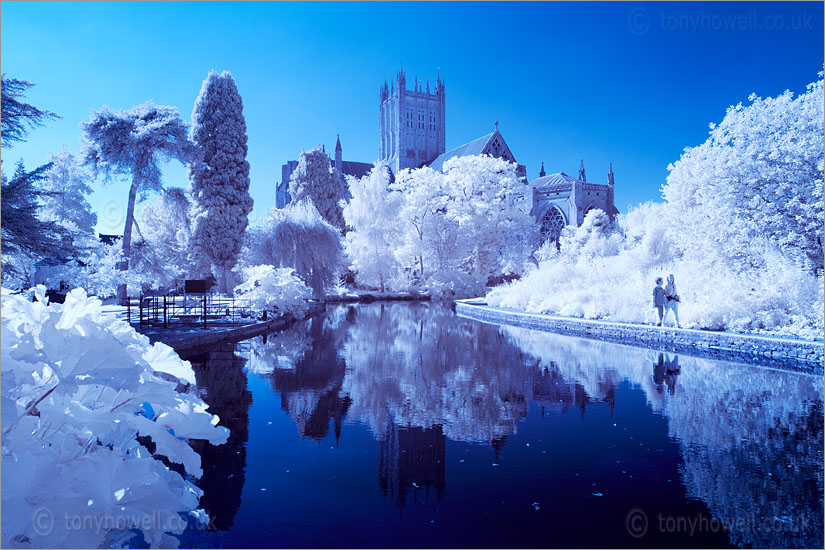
<point>220,178</point>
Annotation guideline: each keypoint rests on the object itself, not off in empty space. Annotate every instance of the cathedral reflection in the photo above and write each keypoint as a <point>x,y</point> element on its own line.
<point>411,460</point>
<point>220,376</point>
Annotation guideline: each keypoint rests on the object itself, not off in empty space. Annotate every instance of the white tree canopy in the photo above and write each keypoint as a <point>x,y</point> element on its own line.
<point>372,215</point>
<point>315,178</point>
<point>757,179</point>
<point>66,185</point>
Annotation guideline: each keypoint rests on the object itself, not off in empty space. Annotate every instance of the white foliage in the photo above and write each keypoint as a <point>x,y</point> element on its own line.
<point>470,218</point>
<point>610,275</point>
<point>315,178</point>
<point>298,237</point>
<point>280,289</point>
<point>757,180</point>
<point>161,256</point>
<point>78,387</point>
<point>372,215</point>
<point>65,186</point>
<point>97,271</point>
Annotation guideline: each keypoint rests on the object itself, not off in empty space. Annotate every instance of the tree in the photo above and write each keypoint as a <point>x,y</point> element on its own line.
<point>65,186</point>
<point>161,255</point>
<point>429,237</point>
<point>220,178</point>
<point>298,237</point>
<point>487,198</point>
<point>756,180</point>
<point>465,224</point>
<point>26,238</point>
<point>17,118</point>
<point>133,143</point>
<point>372,214</point>
<point>315,178</point>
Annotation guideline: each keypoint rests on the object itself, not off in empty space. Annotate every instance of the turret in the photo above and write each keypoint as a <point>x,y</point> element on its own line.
<point>339,163</point>
<point>401,79</point>
<point>611,193</point>
<point>384,91</point>
<point>542,173</point>
<point>582,177</point>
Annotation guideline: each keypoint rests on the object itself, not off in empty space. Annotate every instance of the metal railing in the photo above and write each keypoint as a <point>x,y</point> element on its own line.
<point>190,310</point>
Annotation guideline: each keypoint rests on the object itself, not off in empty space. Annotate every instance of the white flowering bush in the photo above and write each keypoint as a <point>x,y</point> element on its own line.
<point>78,389</point>
<point>274,289</point>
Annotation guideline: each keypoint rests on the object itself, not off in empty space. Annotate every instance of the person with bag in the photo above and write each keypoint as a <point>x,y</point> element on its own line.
<point>672,302</point>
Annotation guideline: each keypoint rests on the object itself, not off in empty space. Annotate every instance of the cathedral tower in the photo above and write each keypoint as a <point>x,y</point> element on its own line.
<point>411,123</point>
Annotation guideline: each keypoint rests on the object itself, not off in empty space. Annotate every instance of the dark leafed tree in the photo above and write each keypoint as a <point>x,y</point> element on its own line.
<point>23,232</point>
<point>133,143</point>
<point>18,117</point>
<point>220,178</point>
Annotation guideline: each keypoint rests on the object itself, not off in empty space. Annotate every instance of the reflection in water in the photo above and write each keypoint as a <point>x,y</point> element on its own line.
<point>220,376</point>
<point>750,438</point>
<point>308,374</point>
<point>411,457</point>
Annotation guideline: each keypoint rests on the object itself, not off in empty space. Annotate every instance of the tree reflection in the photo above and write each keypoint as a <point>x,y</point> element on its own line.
<point>220,376</point>
<point>751,438</point>
<point>304,366</point>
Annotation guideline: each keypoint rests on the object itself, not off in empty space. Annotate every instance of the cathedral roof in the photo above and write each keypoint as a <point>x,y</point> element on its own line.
<point>553,182</point>
<point>355,169</point>
<point>475,147</point>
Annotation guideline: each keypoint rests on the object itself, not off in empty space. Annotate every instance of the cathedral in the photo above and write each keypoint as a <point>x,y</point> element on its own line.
<point>412,132</point>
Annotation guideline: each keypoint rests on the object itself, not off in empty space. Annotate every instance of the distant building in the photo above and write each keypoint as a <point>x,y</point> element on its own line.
<point>412,133</point>
<point>560,200</point>
<point>411,123</point>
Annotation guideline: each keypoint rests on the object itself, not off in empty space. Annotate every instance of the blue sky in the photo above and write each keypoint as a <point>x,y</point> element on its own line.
<point>632,83</point>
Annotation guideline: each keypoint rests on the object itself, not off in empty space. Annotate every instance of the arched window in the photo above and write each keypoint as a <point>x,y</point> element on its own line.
<point>552,222</point>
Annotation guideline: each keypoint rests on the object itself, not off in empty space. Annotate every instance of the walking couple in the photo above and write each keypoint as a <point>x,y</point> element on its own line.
<point>666,299</point>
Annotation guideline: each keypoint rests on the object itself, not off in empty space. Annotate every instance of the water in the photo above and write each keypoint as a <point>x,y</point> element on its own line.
<point>399,425</point>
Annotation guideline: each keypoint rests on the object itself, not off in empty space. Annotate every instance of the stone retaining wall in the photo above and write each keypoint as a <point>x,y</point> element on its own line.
<point>776,352</point>
<point>195,341</point>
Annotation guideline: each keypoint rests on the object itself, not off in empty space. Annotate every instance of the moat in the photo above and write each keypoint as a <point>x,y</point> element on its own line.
<point>402,425</point>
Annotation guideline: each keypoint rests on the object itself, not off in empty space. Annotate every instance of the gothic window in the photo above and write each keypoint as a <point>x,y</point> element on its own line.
<point>552,222</point>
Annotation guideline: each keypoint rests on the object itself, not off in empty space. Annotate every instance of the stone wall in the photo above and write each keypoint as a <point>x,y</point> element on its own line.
<point>775,352</point>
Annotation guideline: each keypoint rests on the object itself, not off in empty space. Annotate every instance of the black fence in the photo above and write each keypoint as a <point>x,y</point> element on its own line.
<point>190,310</point>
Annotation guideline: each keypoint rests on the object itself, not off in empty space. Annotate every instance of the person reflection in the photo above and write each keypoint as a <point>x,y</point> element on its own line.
<point>672,370</point>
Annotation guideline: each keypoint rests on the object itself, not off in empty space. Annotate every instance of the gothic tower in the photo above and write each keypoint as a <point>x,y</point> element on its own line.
<point>411,123</point>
